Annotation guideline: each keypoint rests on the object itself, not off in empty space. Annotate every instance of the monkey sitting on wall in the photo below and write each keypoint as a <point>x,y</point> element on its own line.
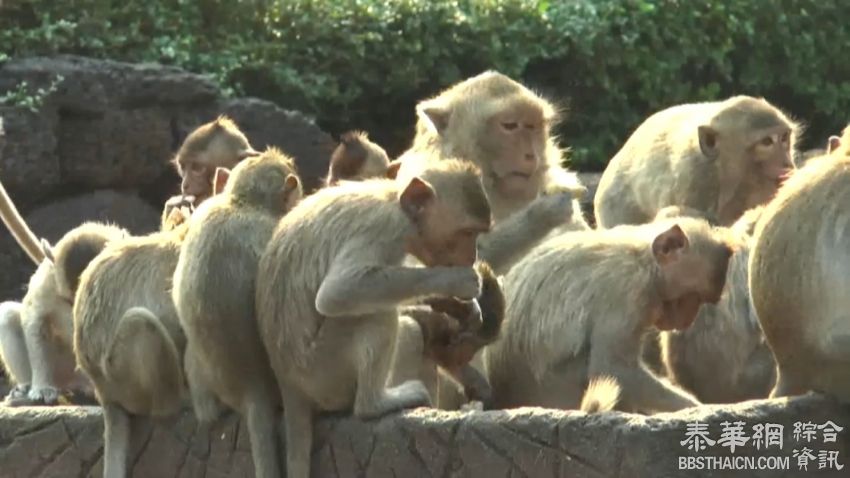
<point>579,304</point>
<point>332,278</point>
<point>35,334</point>
<point>214,295</point>
<point>721,157</point>
<point>800,274</point>
<point>505,129</point>
<point>741,366</point>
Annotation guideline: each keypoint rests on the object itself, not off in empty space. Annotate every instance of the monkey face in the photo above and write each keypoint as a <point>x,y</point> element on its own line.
<point>770,155</point>
<point>515,146</point>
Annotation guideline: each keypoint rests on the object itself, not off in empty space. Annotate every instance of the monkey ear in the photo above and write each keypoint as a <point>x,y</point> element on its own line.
<point>47,250</point>
<point>291,183</point>
<point>437,116</point>
<point>708,141</point>
<point>416,197</point>
<point>392,169</point>
<point>248,153</point>
<point>833,144</point>
<point>220,179</point>
<point>667,246</point>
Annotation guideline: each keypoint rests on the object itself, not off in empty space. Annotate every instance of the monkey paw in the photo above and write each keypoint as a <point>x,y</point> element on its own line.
<point>473,406</point>
<point>44,395</point>
<point>17,396</point>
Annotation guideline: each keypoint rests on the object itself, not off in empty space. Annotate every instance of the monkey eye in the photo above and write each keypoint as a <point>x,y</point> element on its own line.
<point>767,141</point>
<point>785,137</point>
<point>510,126</point>
<point>196,168</point>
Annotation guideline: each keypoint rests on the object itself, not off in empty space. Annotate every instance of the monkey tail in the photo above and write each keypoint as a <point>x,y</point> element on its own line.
<point>143,352</point>
<point>18,227</point>
<point>492,304</point>
<point>602,395</point>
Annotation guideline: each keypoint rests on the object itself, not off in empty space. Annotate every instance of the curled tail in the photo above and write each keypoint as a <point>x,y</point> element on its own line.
<point>492,303</point>
<point>602,395</point>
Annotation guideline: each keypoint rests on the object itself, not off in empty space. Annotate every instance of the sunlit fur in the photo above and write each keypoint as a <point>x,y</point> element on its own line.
<point>800,275</point>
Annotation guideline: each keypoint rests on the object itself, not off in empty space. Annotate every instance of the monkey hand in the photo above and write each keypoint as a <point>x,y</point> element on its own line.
<point>18,396</point>
<point>552,209</point>
<point>467,312</point>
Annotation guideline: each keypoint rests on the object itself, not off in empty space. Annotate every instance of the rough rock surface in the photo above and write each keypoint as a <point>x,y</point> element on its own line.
<point>113,125</point>
<point>54,219</point>
<point>529,442</point>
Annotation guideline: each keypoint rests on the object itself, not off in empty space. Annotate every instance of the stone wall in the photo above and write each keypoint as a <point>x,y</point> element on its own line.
<point>528,442</point>
<point>107,132</point>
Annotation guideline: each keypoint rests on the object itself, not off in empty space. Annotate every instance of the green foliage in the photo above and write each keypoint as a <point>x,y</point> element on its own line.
<point>365,63</point>
<point>23,96</point>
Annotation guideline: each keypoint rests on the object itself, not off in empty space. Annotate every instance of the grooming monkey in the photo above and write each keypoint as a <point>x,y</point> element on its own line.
<point>449,332</point>
<point>721,157</point>
<point>723,357</point>
<point>357,158</point>
<point>800,274</point>
<point>563,333</point>
<point>214,295</point>
<point>35,334</point>
<point>332,278</point>
<point>504,128</point>
<point>217,144</point>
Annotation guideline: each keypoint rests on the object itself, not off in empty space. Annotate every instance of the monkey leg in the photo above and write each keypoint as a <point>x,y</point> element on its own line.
<point>372,398</point>
<point>205,403</point>
<point>788,383</point>
<point>154,388</point>
<point>116,441</point>
<point>13,351</point>
<point>47,361</point>
<point>262,423</point>
<point>475,387</point>
<point>643,391</point>
<point>298,432</point>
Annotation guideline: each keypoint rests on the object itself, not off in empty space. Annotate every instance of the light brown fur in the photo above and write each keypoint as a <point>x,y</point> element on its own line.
<point>35,334</point>
<point>214,288</point>
<point>504,128</point>
<point>580,303</point>
<point>357,158</point>
<point>217,144</point>
<point>723,357</point>
<point>331,280</point>
<point>800,275</point>
<point>707,156</point>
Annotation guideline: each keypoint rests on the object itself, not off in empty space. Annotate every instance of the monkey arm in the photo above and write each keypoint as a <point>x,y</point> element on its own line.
<point>357,289</point>
<point>512,238</point>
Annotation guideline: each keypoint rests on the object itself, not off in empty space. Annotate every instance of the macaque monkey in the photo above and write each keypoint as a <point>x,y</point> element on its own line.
<point>127,337</point>
<point>504,128</point>
<point>217,144</point>
<point>800,277</point>
<point>214,295</point>
<point>722,157</point>
<point>35,334</point>
<point>449,332</point>
<point>579,304</point>
<point>723,357</point>
<point>332,278</point>
<point>357,158</point>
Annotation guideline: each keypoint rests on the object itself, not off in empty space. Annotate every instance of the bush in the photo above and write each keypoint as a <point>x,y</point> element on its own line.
<point>365,63</point>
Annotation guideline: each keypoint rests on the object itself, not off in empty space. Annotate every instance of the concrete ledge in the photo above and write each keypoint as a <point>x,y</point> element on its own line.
<point>529,442</point>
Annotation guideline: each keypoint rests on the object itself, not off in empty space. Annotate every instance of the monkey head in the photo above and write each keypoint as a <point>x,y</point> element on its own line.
<point>692,269</point>
<point>269,180</point>
<point>218,143</point>
<point>357,157</point>
<point>498,124</point>
<point>839,144</point>
<point>448,207</point>
<point>752,143</point>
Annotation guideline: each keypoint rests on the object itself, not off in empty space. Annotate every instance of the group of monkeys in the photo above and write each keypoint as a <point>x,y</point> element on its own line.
<point>460,275</point>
